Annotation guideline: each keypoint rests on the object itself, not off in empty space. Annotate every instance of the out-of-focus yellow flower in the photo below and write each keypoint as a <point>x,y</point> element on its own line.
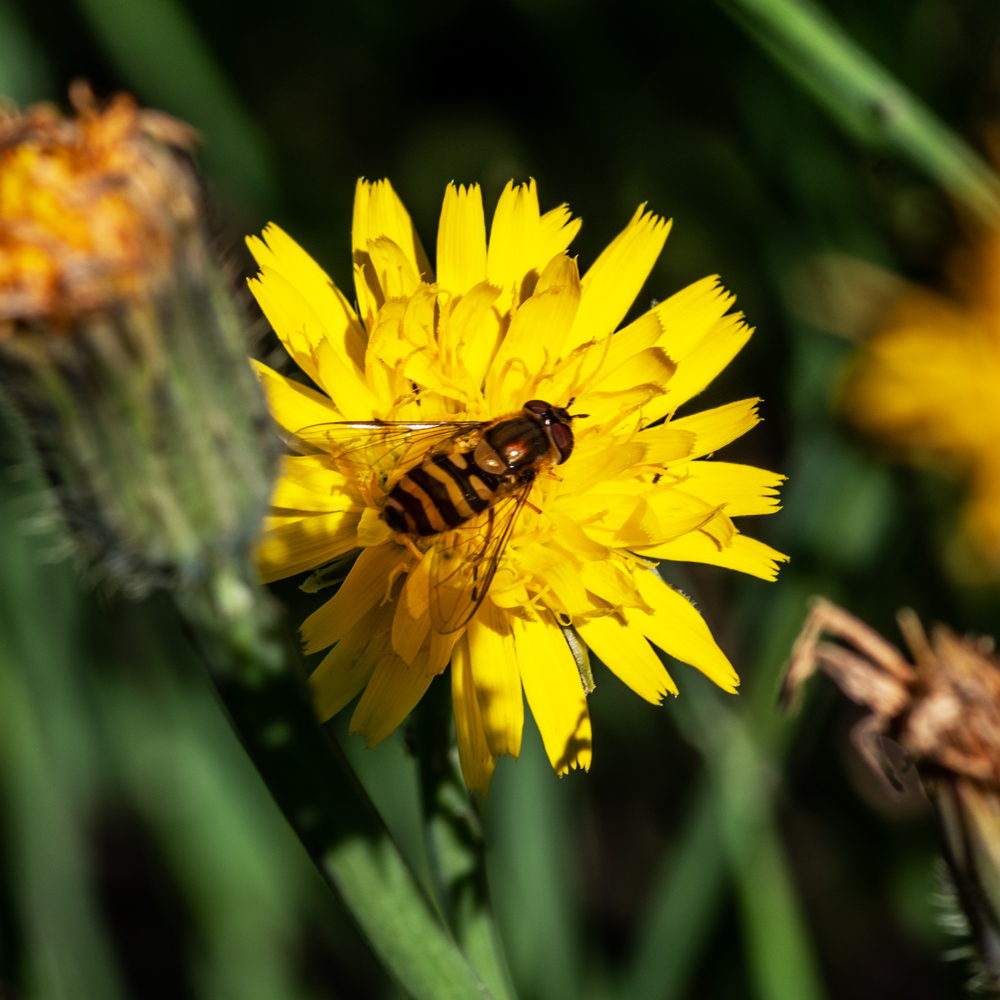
<point>505,322</point>
<point>928,384</point>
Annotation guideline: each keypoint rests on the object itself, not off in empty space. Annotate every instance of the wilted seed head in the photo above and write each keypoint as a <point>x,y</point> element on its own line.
<point>944,712</point>
<point>120,344</point>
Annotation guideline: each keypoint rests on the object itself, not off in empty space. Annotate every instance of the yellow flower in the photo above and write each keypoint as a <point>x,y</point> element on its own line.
<point>502,324</point>
<point>928,383</point>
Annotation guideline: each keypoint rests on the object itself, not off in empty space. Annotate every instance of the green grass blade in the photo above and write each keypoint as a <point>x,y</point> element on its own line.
<point>779,949</point>
<point>250,659</point>
<point>865,98</point>
<point>683,908</point>
<point>243,874</point>
<point>529,874</point>
<point>24,74</point>
<point>160,53</point>
<point>48,757</point>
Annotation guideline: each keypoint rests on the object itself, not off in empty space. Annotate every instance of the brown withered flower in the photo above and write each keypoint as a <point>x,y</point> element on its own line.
<point>120,343</point>
<point>91,210</point>
<point>944,712</point>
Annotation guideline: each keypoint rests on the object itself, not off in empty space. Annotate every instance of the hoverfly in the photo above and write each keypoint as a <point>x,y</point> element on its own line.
<point>468,480</point>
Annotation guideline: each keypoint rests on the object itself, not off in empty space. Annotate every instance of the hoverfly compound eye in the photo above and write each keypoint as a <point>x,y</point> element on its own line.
<point>538,406</point>
<point>562,438</point>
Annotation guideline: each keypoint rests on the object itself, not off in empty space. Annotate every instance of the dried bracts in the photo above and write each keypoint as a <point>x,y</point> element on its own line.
<point>944,712</point>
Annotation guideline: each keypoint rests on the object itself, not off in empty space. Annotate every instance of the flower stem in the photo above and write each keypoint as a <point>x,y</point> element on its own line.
<point>864,98</point>
<point>238,628</point>
<point>455,842</point>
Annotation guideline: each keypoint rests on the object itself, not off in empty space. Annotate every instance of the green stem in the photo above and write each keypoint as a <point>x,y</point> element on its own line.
<point>743,778</point>
<point>865,99</point>
<point>160,52</point>
<point>238,628</point>
<point>49,759</point>
<point>455,842</point>
<point>684,905</point>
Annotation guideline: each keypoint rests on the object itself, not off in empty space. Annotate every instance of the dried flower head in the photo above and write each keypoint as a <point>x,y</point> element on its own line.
<point>120,344</point>
<point>91,208</point>
<point>944,712</point>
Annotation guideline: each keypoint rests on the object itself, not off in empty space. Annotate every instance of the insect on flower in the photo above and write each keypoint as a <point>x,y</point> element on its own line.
<point>469,478</point>
<point>509,463</point>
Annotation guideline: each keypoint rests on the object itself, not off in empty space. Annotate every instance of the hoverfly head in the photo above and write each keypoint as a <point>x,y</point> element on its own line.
<point>556,420</point>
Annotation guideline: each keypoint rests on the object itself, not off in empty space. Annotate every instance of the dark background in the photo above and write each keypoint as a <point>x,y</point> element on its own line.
<point>606,105</point>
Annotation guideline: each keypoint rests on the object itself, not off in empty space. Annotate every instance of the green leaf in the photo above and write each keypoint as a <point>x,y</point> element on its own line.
<point>161,54</point>
<point>864,98</point>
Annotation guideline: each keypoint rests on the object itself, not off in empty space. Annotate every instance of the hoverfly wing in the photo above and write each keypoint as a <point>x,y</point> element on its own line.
<point>466,560</point>
<point>379,445</point>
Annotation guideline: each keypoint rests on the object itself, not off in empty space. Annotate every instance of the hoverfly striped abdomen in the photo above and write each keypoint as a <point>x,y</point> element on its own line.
<point>446,490</point>
<point>441,493</point>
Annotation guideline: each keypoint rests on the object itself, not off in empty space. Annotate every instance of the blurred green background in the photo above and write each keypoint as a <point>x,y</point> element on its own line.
<point>715,849</point>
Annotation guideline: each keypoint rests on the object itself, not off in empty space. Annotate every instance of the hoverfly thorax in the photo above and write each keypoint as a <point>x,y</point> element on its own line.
<point>473,479</point>
<point>520,445</point>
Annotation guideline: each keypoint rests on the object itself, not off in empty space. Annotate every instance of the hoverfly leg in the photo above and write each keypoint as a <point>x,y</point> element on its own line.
<point>411,545</point>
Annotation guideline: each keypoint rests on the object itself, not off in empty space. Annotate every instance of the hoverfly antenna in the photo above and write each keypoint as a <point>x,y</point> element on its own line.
<point>579,416</point>
<point>572,400</point>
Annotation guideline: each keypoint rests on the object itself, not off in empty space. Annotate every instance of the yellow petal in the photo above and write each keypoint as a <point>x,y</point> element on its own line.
<point>490,649</point>
<point>613,583</point>
<point>743,554</point>
<point>678,629</point>
<point>292,404</point>
<point>409,632</point>
<point>303,334</point>
<point>474,330</point>
<point>699,368</point>
<point>513,245</point>
<point>611,408</point>
<point>645,332</point>
<point>378,211</point>
<point>307,483</point>
<point>663,516</point>
<point>690,314</point>
<point>616,277</point>
<point>744,489</point>
<point>281,253</point>
<point>536,334</point>
<point>628,655</point>
<point>473,752</point>
<point>461,242</point>
<point>392,693</point>
<point>596,466</point>
<point>522,242</point>
<point>285,308</point>
<point>715,428</point>
<point>395,273</point>
<point>418,586</point>
<point>555,693</point>
<point>556,230</point>
<point>559,571</point>
<point>345,670</point>
<point>305,543</point>
<point>650,365</point>
<point>666,444</point>
<point>372,529</point>
<point>366,585</point>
